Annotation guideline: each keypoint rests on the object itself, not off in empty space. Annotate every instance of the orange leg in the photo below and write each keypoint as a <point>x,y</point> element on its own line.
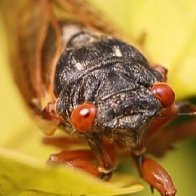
<point>61,142</point>
<point>85,165</point>
<point>78,158</point>
<point>155,175</point>
<point>103,154</point>
<point>157,140</point>
<point>65,156</point>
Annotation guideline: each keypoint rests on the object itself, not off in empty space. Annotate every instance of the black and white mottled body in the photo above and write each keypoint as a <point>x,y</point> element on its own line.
<point>112,75</point>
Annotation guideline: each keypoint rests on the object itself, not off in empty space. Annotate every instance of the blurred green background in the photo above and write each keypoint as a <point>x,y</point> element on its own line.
<point>169,28</point>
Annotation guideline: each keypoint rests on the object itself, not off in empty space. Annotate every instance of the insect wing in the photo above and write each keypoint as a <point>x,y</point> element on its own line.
<point>35,38</point>
<point>35,42</point>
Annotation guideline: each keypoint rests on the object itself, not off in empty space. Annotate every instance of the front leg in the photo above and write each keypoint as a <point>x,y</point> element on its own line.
<point>99,161</point>
<point>81,159</point>
<point>155,175</point>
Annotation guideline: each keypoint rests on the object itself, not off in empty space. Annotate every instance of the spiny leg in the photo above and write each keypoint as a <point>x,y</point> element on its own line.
<point>103,154</point>
<point>155,175</point>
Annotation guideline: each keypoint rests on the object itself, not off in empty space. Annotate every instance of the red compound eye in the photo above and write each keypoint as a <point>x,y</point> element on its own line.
<point>83,116</point>
<point>164,93</point>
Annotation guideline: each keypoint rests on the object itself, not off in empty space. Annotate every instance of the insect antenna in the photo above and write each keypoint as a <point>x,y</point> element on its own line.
<point>187,114</point>
<point>186,109</point>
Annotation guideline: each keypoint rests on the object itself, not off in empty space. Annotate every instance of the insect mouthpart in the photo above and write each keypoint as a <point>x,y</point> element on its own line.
<point>125,114</point>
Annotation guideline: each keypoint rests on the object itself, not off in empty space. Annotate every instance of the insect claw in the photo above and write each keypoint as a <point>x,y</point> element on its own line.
<point>106,175</point>
<point>139,161</point>
<point>152,189</point>
<point>52,160</point>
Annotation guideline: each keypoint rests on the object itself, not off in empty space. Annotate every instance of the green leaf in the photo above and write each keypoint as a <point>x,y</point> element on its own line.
<point>22,175</point>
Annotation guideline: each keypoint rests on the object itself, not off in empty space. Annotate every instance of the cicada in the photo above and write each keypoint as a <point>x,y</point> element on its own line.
<point>76,73</point>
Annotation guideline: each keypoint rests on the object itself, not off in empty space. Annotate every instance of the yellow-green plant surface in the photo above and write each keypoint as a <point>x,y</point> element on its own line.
<point>168,30</point>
